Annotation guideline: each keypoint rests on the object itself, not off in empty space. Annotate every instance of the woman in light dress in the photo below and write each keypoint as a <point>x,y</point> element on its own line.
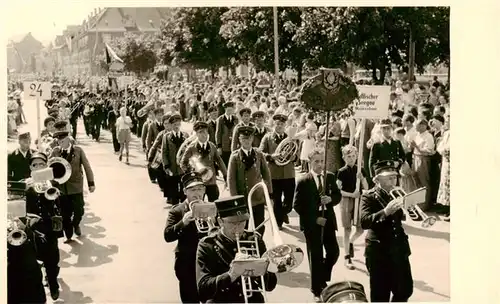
<point>443,148</point>
<point>123,125</point>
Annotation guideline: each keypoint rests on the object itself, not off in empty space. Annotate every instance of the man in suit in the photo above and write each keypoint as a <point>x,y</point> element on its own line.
<point>224,131</point>
<point>72,203</point>
<point>387,249</point>
<point>181,228</point>
<point>388,149</point>
<point>283,177</point>
<point>160,174</point>
<point>112,117</point>
<point>144,135</point>
<point>314,203</point>
<point>171,144</point>
<point>18,166</point>
<point>245,115</point>
<point>154,128</point>
<point>247,167</point>
<point>212,124</point>
<point>209,157</point>
<point>260,128</point>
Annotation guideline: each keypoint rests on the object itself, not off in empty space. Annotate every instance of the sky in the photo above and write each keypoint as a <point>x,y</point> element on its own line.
<point>43,18</point>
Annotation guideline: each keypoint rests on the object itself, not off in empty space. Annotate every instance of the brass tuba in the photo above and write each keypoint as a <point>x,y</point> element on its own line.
<point>205,172</point>
<point>15,233</point>
<point>144,110</point>
<point>286,150</point>
<point>204,215</point>
<point>61,169</point>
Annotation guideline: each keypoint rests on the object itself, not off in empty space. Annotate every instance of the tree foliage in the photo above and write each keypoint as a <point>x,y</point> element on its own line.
<point>137,52</point>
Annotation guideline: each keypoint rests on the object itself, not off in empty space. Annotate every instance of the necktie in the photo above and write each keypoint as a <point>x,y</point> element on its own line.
<point>64,153</point>
<point>320,186</point>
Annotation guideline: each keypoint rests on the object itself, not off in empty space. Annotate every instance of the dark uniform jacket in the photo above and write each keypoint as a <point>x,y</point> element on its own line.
<point>153,129</point>
<point>144,133</point>
<point>386,151</point>
<point>259,135</point>
<point>18,166</point>
<point>212,127</point>
<point>244,172</point>
<point>77,160</point>
<point>169,148</point>
<point>224,132</point>
<point>186,236</point>
<point>307,201</point>
<point>39,205</point>
<point>268,146</point>
<point>208,159</point>
<point>385,233</point>
<point>156,147</point>
<point>235,142</point>
<point>212,266</point>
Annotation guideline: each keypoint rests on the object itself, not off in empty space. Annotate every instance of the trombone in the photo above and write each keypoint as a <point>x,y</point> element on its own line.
<point>204,215</point>
<point>282,257</point>
<point>413,210</point>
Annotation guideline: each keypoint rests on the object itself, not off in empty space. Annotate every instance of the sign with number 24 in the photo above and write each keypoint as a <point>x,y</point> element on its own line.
<point>37,90</point>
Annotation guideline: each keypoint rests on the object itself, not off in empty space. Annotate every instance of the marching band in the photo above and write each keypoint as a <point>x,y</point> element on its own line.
<point>220,255</point>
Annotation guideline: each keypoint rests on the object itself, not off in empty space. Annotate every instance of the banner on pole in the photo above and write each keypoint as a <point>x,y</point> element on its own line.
<point>373,102</point>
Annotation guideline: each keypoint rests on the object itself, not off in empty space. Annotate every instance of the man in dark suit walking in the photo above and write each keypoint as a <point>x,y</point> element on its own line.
<point>72,203</point>
<point>181,228</point>
<point>212,123</point>
<point>313,201</point>
<point>388,149</point>
<point>18,161</point>
<point>387,249</point>
<point>224,131</point>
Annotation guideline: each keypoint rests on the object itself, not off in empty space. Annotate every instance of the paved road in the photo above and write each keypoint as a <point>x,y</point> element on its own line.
<point>122,257</point>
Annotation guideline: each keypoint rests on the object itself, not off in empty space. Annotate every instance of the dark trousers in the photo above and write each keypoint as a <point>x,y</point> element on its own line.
<point>152,174</point>
<point>116,144</point>
<point>185,271</point>
<point>72,209</point>
<point>48,253</point>
<point>73,126</point>
<point>96,129</point>
<point>212,192</point>
<point>321,265</point>
<point>389,274</point>
<point>163,180</point>
<point>258,215</point>
<point>283,190</point>
<point>225,157</point>
<point>87,124</point>
<point>177,194</point>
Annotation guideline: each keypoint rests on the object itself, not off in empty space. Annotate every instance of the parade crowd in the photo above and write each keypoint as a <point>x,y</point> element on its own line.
<point>238,125</point>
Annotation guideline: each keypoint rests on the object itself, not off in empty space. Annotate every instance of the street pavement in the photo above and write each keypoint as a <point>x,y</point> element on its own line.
<point>122,257</point>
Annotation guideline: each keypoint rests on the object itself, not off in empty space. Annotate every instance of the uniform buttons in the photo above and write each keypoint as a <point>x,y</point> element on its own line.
<point>240,295</point>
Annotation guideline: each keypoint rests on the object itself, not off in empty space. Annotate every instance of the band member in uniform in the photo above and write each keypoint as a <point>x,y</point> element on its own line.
<point>154,128</point>
<point>24,275</point>
<point>224,131</point>
<point>247,167</point>
<point>388,149</point>
<point>155,155</point>
<point>212,125</point>
<point>314,203</point>
<point>283,177</point>
<point>245,116</point>
<point>18,166</point>
<point>144,135</point>
<point>209,157</point>
<point>72,203</point>
<point>48,123</point>
<point>218,281</point>
<point>181,228</point>
<point>112,117</point>
<point>387,249</point>
<point>49,227</point>
<point>169,148</point>
<point>259,119</point>
<point>347,177</point>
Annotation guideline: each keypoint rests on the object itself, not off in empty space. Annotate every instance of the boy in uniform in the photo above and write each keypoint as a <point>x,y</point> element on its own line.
<point>346,181</point>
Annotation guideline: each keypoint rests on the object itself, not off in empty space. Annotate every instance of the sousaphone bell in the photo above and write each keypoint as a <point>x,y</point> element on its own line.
<point>61,169</point>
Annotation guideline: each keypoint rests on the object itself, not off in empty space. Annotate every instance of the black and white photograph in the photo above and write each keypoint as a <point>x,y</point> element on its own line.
<point>228,154</point>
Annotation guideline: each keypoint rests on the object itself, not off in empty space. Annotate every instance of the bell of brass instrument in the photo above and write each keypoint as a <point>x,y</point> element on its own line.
<point>204,215</point>
<point>205,172</point>
<point>287,149</point>
<point>144,110</point>
<point>282,257</point>
<point>51,193</point>
<point>158,160</point>
<point>413,211</point>
<point>61,169</point>
<point>15,235</point>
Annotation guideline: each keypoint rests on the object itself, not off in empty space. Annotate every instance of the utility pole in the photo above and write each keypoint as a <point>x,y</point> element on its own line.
<point>411,64</point>
<point>276,51</point>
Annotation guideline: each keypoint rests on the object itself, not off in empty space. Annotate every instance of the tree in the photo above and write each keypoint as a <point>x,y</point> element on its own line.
<point>137,52</point>
<point>190,37</point>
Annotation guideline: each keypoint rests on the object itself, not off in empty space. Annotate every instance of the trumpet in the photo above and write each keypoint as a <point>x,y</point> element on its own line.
<point>282,257</point>
<point>413,210</point>
<point>204,215</point>
<point>205,172</point>
<point>16,235</point>
<point>286,150</point>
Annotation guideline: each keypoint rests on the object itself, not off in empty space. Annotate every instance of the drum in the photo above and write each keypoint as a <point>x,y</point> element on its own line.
<point>344,292</point>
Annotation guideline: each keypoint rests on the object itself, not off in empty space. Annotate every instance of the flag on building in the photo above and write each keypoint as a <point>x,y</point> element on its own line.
<point>69,41</point>
<point>111,55</point>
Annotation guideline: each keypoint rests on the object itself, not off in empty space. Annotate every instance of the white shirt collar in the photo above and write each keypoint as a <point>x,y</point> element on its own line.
<point>247,152</point>
<point>23,153</point>
<point>316,177</point>
<point>203,144</point>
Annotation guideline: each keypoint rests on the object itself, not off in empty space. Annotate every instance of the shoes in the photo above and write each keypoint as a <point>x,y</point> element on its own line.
<point>446,218</point>
<point>120,157</point>
<point>286,220</point>
<point>78,231</point>
<point>54,294</point>
<point>68,240</point>
<point>348,263</point>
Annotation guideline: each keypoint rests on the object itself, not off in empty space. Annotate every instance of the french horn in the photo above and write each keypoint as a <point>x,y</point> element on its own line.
<point>286,151</point>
